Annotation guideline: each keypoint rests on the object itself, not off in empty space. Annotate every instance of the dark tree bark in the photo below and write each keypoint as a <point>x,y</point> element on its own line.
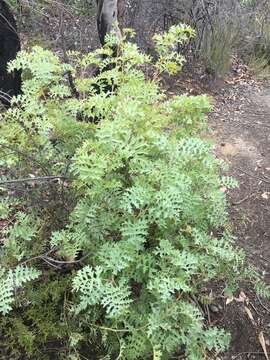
<point>107,18</point>
<point>108,15</point>
<point>10,84</point>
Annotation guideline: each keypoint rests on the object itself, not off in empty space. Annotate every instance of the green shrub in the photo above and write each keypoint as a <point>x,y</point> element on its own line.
<point>257,45</point>
<point>259,66</point>
<point>111,238</point>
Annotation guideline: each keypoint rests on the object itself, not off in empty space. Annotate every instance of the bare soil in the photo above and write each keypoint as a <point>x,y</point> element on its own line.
<point>241,124</point>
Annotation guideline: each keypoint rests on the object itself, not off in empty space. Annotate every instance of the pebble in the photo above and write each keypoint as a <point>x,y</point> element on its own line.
<point>214,308</point>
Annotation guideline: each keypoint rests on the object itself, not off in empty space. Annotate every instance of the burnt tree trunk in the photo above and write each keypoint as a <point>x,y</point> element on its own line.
<point>109,13</point>
<point>10,84</point>
<point>108,18</point>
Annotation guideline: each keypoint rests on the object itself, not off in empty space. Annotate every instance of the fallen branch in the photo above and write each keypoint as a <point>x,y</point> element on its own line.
<point>39,178</point>
<point>255,177</point>
<point>262,305</point>
<point>246,353</point>
<point>235,203</point>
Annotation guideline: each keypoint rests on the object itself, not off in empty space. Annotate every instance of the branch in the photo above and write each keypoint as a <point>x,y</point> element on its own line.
<point>267,181</point>
<point>63,262</point>
<point>39,178</point>
<point>72,85</point>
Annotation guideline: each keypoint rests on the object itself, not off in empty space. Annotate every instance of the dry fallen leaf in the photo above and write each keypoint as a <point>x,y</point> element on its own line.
<point>263,344</point>
<point>242,297</point>
<point>249,313</point>
<point>229,300</point>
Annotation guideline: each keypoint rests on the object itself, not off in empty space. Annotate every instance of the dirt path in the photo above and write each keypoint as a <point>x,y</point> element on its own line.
<point>242,132</point>
<point>241,124</point>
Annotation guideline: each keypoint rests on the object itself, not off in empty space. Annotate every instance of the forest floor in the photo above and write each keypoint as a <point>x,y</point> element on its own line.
<point>240,123</point>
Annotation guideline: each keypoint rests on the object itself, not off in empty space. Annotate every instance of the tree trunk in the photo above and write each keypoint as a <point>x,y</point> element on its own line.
<point>108,18</point>
<point>10,84</point>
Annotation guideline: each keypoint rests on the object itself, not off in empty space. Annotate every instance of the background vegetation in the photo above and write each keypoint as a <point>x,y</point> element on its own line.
<point>224,28</point>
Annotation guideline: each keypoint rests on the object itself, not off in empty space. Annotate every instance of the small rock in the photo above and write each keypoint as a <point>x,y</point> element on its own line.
<point>215,309</point>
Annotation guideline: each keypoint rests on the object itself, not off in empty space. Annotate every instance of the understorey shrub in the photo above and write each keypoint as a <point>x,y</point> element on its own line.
<point>217,48</point>
<point>224,29</point>
<point>110,202</point>
<point>259,66</point>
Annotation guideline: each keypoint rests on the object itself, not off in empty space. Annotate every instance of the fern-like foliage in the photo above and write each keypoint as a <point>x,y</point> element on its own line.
<point>125,237</point>
<point>12,280</point>
<point>6,295</point>
<point>262,289</point>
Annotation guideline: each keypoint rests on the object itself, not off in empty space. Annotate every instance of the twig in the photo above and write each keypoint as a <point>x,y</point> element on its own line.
<point>255,177</point>
<point>5,96</point>
<point>262,305</point>
<point>49,263</point>
<point>243,200</point>
<point>119,330</point>
<point>63,261</point>
<point>9,24</point>
<point>254,308</point>
<point>193,298</point>
<point>37,257</point>
<point>206,307</point>
<point>83,357</point>
<point>246,353</point>
<point>72,85</point>
<point>39,178</point>
<point>25,156</point>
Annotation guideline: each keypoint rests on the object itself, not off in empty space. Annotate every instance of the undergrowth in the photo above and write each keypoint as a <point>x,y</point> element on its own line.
<point>109,208</point>
<point>259,67</point>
